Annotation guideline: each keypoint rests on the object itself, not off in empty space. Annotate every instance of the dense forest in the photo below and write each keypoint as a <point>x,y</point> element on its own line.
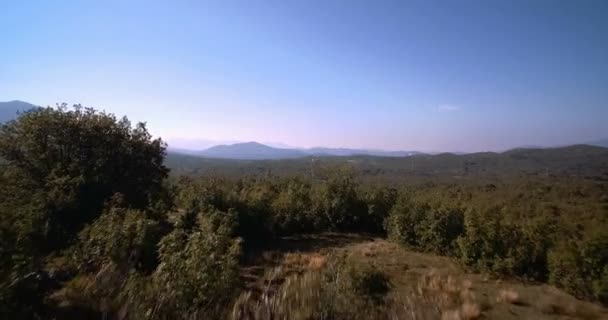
<point>95,224</point>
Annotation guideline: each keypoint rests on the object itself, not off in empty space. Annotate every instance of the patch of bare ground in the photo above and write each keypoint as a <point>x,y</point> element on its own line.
<point>423,286</point>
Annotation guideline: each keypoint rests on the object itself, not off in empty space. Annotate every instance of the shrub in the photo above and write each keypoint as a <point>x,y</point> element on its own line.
<point>439,230</point>
<point>402,223</point>
<point>125,237</point>
<point>379,202</point>
<point>254,219</point>
<point>581,268</point>
<point>491,245</point>
<point>198,270</point>
<point>424,227</point>
<point>337,204</point>
<point>198,194</point>
<point>292,208</point>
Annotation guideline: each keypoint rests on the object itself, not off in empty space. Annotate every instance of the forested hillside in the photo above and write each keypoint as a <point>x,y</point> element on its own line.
<point>582,161</point>
<point>96,226</point>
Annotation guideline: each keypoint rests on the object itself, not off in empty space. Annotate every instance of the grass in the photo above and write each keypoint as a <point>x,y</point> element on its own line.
<point>422,286</point>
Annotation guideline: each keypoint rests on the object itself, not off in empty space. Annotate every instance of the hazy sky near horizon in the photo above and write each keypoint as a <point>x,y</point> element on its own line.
<point>410,75</point>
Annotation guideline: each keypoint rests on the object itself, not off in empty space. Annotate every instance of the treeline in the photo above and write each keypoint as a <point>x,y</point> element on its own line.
<point>92,225</point>
<point>548,243</point>
<point>267,207</point>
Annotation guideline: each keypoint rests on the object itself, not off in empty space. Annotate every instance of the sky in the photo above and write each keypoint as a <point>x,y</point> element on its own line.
<point>395,75</point>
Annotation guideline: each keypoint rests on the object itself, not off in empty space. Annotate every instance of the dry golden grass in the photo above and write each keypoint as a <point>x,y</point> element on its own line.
<point>467,284</point>
<point>424,286</point>
<point>316,262</point>
<point>304,261</point>
<point>560,304</point>
<point>470,311</point>
<point>508,296</point>
<point>453,297</point>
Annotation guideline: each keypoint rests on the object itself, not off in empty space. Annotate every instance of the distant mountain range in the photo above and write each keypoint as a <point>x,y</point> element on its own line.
<point>258,151</point>
<point>575,160</point>
<point>252,150</point>
<point>9,110</point>
<point>598,143</point>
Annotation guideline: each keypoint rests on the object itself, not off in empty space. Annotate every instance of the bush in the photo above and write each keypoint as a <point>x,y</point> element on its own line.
<point>402,223</point>
<point>198,270</point>
<point>581,268</point>
<point>379,202</point>
<point>491,245</point>
<point>424,227</point>
<point>199,194</point>
<point>337,204</point>
<point>292,208</point>
<point>254,219</point>
<point>440,228</point>
<point>125,237</point>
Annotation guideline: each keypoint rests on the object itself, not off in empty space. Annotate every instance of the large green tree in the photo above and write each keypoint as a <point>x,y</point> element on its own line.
<point>73,160</point>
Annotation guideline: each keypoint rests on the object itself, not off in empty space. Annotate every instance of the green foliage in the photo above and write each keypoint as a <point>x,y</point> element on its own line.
<point>489,244</point>
<point>268,207</point>
<point>482,167</point>
<point>566,269</point>
<point>379,202</point>
<point>198,270</point>
<point>292,208</point>
<point>77,159</point>
<point>600,286</point>
<point>126,268</point>
<point>57,170</point>
<point>425,227</point>
<point>255,224</point>
<point>582,267</point>
<point>125,237</point>
<point>440,228</point>
<point>337,203</point>
<point>198,194</point>
<point>144,258</point>
<point>402,223</point>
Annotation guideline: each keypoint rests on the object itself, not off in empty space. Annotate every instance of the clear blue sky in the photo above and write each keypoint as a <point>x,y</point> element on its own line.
<point>427,75</point>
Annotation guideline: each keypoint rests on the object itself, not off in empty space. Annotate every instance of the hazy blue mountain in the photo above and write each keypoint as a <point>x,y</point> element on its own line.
<point>258,151</point>
<point>9,110</point>
<point>321,151</point>
<point>599,143</point>
<point>276,144</point>
<point>194,145</point>
<point>529,146</point>
<point>250,151</point>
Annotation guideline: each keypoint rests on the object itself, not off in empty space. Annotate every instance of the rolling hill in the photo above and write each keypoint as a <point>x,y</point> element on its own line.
<point>258,151</point>
<point>572,161</point>
<point>345,152</point>
<point>250,151</point>
<point>10,109</point>
<point>599,143</point>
